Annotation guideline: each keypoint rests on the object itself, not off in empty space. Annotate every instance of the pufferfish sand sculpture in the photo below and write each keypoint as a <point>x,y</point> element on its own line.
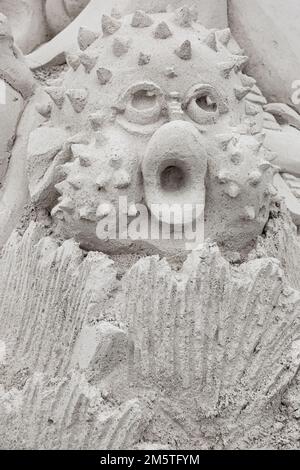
<point>157,109</point>
<point>131,106</point>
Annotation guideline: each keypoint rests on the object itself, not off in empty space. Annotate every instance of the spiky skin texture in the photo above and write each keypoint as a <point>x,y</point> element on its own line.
<point>107,164</point>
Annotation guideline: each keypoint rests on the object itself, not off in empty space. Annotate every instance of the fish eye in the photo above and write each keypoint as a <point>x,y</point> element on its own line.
<point>204,104</point>
<point>143,103</point>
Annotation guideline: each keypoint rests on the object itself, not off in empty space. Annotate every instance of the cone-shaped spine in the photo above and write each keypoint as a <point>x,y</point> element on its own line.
<point>110,25</point>
<point>236,158</point>
<point>144,59</point>
<point>67,205</point>
<point>235,63</point>
<point>210,41</point>
<point>184,16</point>
<point>104,75</point>
<point>256,90</point>
<point>87,213</point>
<point>75,182</point>
<point>271,190</point>
<point>224,140</point>
<point>252,109</point>
<point>255,178</point>
<point>57,94</point>
<point>61,187</point>
<point>122,179</point>
<point>256,146</point>
<point>88,61</point>
<point>184,52</point>
<point>78,98</point>
<point>170,72</point>
<point>84,161</point>
<point>86,37</point>
<point>103,180</point>
<point>233,190</point>
<point>103,210</point>
<point>62,171</point>
<point>247,81</point>
<point>120,47</point>
<point>73,61</point>
<point>162,31</point>
<point>224,177</point>
<point>241,92</point>
<point>226,68</point>
<point>96,120</point>
<point>57,212</point>
<point>140,19</point>
<point>241,61</point>
<point>224,36</point>
<point>115,14</point>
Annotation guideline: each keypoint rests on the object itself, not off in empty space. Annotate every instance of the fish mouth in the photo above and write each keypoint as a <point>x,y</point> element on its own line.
<point>174,170</point>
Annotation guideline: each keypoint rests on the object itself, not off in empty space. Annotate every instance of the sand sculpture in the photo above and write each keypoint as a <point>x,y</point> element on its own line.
<point>114,343</point>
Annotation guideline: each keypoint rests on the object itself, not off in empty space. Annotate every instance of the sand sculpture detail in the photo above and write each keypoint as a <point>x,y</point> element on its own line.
<point>107,347</point>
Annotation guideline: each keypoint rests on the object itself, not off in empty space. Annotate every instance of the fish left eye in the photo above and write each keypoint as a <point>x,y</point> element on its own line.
<point>204,104</point>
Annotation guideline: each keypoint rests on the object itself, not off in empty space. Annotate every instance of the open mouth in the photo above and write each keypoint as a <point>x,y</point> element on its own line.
<point>174,170</point>
<point>173,177</point>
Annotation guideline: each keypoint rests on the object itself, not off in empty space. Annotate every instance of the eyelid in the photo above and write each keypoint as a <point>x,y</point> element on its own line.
<point>148,86</point>
<point>143,116</point>
<point>146,116</point>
